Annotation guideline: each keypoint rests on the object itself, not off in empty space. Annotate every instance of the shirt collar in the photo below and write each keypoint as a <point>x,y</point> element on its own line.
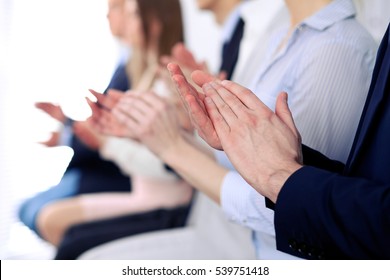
<point>336,11</point>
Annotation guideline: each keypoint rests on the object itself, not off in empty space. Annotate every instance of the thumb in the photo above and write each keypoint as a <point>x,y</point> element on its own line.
<point>283,112</point>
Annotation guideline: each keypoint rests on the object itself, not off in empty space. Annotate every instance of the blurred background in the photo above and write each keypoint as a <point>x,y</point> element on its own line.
<point>55,51</point>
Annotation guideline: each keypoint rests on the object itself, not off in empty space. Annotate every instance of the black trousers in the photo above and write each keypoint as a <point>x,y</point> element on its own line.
<point>83,237</point>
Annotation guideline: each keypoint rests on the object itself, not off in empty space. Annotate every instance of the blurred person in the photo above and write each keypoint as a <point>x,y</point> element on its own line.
<point>87,171</point>
<point>83,236</point>
<point>152,28</point>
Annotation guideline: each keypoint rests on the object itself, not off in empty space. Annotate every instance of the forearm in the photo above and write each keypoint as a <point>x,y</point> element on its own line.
<point>135,159</point>
<point>196,167</point>
<point>321,209</point>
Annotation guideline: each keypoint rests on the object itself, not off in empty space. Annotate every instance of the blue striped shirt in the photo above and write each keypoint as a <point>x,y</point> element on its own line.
<point>326,68</point>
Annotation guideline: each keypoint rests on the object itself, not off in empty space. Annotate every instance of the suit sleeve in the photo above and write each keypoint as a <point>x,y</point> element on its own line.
<point>324,215</point>
<point>316,159</point>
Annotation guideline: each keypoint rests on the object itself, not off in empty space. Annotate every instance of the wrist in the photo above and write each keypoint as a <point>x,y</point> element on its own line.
<point>277,180</point>
<point>172,154</point>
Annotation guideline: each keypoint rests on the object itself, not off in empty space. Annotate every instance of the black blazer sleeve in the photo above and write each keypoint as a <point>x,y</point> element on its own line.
<point>320,214</point>
<point>316,159</point>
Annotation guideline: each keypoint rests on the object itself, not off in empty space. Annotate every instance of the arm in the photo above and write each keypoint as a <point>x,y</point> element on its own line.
<point>316,159</point>
<point>135,159</point>
<point>320,214</point>
<point>154,121</point>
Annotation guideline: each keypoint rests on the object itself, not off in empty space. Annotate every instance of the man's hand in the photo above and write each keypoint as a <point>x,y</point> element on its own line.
<point>194,104</point>
<point>265,147</point>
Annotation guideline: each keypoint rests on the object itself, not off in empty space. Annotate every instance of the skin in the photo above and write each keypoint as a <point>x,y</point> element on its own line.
<point>220,8</point>
<point>224,117</point>
<point>57,217</point>
<point>83,130</point>
<point>116,18</point>
<point>264,147</point>
<point>233,119</point>
<point>155,123</point>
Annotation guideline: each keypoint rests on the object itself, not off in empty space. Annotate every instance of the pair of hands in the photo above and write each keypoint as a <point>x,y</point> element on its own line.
<point>142,115</point>
<point>145,117</point>
<point>264,146</point>
<point>81,129</point>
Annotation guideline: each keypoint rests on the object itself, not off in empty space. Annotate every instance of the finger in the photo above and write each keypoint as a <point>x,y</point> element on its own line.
<point>222,75</point>
<point>114,94</point>
<point>137,108</point>
<point>247,97</point>
<point>174,69</point>
<point>185,57</point>
<point>200,119</point>
<point>105,101</point>
<point>96,111</point>
<point>284,113</point>
<point>223,108</point>
<point>218,121</point>
<point>239,109</point>
<point>106,119</point>
<point>142,103</point>
<point>43,104</point>
<point>130,123</point>
<point>94,107</point>
<point>151,100</point>
<point>100,98</point>
<point>200,78</point>
<point>185,90</point>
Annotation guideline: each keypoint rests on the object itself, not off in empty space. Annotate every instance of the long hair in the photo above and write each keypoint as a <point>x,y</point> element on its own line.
<point>169,16</point>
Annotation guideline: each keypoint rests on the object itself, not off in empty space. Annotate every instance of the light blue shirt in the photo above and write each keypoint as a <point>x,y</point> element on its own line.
<point>326,68</point>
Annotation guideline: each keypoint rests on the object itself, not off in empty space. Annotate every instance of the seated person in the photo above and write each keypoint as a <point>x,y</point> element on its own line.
<point>87,171</point>
<point>153,185</point>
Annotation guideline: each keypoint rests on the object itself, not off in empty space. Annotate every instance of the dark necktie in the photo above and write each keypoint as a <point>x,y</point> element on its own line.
<point>231,49</point>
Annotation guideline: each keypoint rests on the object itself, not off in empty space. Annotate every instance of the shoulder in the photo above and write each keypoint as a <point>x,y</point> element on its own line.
<point>350,34</point>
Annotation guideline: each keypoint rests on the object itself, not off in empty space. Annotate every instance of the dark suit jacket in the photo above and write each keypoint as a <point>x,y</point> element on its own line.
<point>97,174</point>
<point>329,215</point>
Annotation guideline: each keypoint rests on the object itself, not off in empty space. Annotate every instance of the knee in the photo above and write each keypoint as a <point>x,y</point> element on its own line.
<point>48,224</point>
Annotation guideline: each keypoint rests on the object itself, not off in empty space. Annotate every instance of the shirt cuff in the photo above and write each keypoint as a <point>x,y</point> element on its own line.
<point>244,206</point>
